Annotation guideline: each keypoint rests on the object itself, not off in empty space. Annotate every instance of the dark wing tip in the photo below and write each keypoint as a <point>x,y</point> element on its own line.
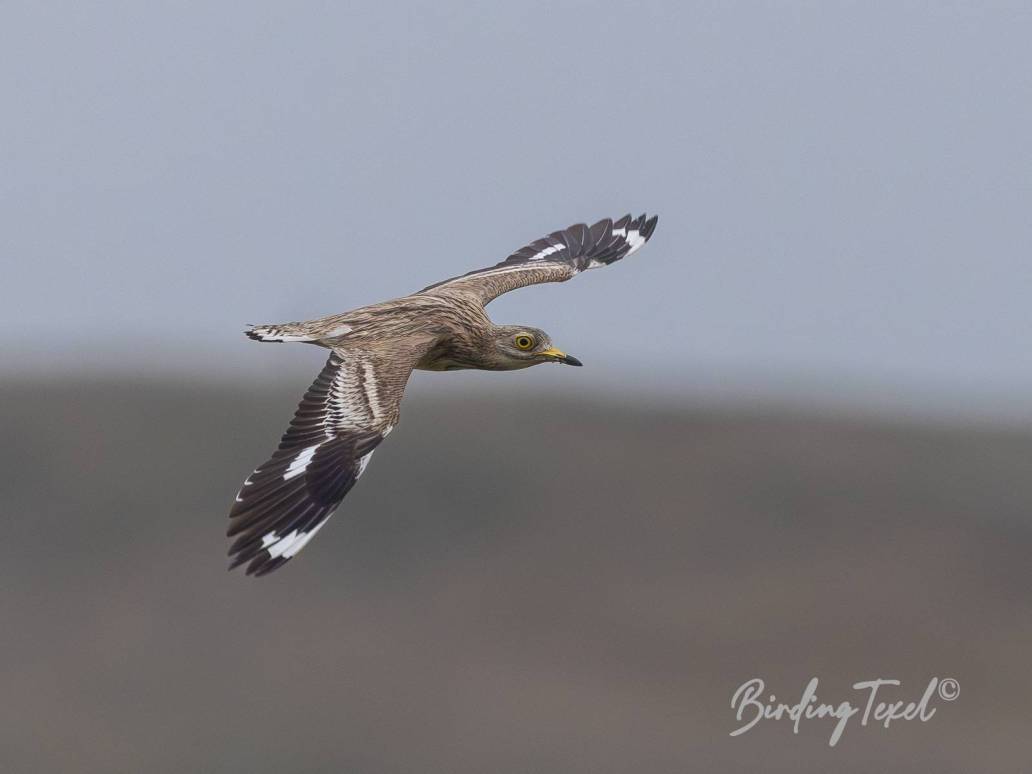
<point>259,565</point>
<point>649,227</point>
<point>609,240</point>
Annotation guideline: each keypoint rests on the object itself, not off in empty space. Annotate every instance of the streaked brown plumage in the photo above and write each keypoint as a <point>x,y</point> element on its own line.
<point>354,403</point>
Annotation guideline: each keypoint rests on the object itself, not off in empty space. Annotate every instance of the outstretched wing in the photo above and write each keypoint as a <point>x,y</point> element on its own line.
<point>556,257</point>
<point>352,406</point>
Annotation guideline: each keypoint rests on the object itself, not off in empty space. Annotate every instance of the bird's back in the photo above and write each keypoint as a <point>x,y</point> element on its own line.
<point>443,314</point>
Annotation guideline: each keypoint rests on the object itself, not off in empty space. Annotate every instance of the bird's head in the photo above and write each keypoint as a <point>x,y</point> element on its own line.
<point>520,346</point>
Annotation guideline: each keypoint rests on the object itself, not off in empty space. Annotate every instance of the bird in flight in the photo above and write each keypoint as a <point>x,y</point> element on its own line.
<point>354,402</point>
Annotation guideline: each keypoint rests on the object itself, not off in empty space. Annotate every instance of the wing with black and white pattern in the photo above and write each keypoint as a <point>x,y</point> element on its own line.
<point>556,257</point>
<point>349,409</point>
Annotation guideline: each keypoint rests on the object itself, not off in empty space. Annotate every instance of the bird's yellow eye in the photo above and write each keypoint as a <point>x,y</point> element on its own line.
<point>523,341</point>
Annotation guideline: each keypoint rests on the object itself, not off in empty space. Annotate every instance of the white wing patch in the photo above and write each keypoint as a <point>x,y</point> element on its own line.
<point>288,545</point>
<point>302,540</point>
<point>300,462</point>
<point>546,252</point>
<point>635,240</point>
<point>277,545</point>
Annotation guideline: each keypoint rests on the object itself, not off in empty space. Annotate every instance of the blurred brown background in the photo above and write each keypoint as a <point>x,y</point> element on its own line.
<point>520,583</point>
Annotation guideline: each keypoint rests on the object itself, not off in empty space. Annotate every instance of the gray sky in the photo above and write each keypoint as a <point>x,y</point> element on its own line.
<point>845,192</point>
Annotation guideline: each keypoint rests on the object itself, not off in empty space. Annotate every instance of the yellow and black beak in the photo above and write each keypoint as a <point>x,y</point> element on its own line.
<point>557,356</point>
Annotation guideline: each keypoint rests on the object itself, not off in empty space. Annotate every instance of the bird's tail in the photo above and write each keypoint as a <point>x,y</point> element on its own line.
<point>280,332</point>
